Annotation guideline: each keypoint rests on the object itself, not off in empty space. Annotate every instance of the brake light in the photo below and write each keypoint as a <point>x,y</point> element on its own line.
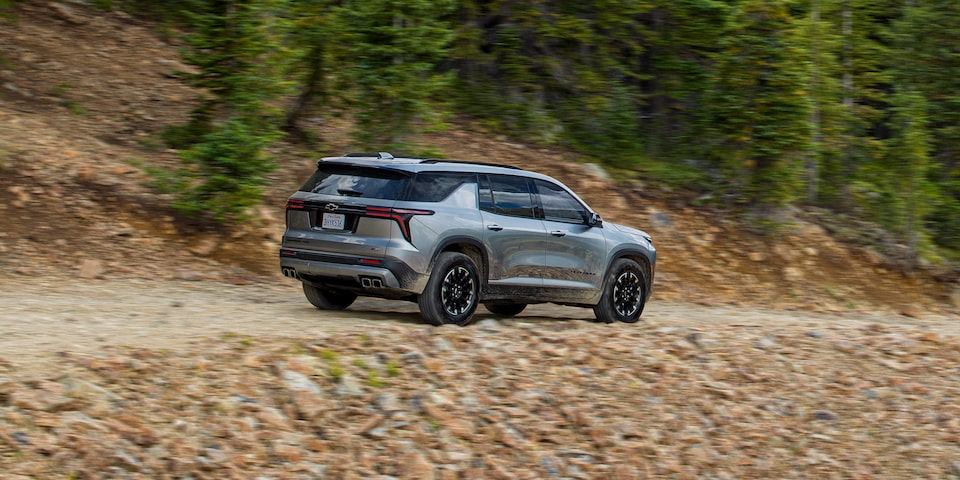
<point>295,204</point>
<point>400,215</point>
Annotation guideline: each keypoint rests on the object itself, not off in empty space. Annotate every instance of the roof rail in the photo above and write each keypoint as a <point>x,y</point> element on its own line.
<point>469,162</point>
<point>381,155</point>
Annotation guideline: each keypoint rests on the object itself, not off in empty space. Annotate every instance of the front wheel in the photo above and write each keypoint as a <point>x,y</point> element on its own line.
<point>624,293</point>
<point>453,291</point>
<point>328,298</point>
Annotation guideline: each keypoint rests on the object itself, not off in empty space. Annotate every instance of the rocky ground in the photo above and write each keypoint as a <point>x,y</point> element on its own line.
<point>202,380</point>
<point>136,346</point>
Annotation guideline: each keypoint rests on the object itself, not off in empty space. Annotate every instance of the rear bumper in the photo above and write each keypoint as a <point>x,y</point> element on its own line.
<point>350,272</point>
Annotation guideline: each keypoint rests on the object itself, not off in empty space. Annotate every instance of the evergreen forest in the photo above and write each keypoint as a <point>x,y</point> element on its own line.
<point>755,105</point>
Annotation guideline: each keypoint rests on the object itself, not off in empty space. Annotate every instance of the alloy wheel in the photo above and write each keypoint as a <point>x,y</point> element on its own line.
<point>627,294</point>
<point>458,291</point>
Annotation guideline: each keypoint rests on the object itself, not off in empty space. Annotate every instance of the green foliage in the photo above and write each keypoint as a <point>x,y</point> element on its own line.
<point>225,172</point>
<point>393,368</point>
<point>238,49</point>
<point>395,48</point>
<point>5,7</point>
<point>847,104</point>
<point>374,380</point>
<point>757,108</point>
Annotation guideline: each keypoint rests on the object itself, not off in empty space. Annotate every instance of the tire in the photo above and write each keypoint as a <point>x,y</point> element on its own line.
<point>326,298</point>
<point>624,293</point>
<point>453,291</point>
<point>505,309</point>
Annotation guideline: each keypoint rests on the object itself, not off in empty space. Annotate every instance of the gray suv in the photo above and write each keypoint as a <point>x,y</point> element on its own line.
<point>451,235</point>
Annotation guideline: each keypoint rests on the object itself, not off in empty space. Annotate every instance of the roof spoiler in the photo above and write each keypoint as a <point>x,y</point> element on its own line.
<point>380,155</point>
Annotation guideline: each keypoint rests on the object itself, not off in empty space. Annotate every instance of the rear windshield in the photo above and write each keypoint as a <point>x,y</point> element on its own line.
<point>360,182</point>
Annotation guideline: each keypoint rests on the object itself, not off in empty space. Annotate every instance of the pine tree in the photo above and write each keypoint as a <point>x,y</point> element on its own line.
<point>395,48</point>
<point>237,47</point>
<point>910,168</point>
<point>758,106</point>
<point>319,58</point>
<point>927,63</point>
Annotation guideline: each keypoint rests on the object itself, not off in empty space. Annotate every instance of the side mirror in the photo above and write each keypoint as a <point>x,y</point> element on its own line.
<point>595,220</point>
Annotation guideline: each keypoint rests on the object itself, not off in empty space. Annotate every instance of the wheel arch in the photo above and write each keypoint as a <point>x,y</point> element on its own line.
<point>467,246</point>
<point>642,258</point>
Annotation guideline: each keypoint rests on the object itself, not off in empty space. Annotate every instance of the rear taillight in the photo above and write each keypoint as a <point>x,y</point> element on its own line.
<point>400,215</point>
<point>295,204</point>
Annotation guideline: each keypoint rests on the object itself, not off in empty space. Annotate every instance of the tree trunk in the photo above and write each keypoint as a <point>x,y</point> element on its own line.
<point>845,200</point>
<point>813,161</point>
<point>313,88</point>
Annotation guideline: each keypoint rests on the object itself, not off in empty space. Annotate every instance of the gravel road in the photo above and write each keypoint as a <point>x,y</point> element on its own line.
<point>40,316</point>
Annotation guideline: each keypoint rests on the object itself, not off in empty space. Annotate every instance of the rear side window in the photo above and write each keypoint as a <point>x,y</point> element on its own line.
<point>437,186</point>
<point>506,195</point>
<point>361,182</point>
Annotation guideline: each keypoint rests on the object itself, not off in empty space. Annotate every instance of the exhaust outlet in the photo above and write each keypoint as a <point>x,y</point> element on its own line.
<point>377,283</point>
<point>366,282</point>
<point>290,272</point>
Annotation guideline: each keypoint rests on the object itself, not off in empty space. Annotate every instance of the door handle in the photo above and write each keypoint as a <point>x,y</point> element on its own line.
<point>558,233</point>
<point>494,227</point>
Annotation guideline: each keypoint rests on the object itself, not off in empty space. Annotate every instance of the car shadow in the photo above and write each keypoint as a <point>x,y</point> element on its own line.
<point>408,313</point>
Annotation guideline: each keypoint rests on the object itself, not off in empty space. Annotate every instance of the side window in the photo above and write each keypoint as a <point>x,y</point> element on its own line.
<point>437,186</point>
<point>558,204</point>
<point>511,196</point>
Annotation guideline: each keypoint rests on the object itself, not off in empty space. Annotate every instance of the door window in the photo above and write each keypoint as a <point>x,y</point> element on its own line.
<point>506,195</point>
<point>558,205</point>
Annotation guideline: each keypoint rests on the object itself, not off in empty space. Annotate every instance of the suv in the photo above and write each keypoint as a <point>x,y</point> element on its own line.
<point>451,235</point>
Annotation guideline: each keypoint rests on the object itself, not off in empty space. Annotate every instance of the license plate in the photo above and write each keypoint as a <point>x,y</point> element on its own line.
<point>333,221</point>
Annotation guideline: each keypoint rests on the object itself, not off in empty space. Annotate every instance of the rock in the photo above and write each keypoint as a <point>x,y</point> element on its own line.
<point>298,381</point>
<point>83,389</point>
<point>187,275</point>
<point>955,298</point>
<point>348,386</point>
<point>911,311</point>
<point>793,274</point>
<point>489,325</point>
<point>41,401</point>
<point>90,269</point>
<point>597,171</point>
<point>204,246</point>
<point>757,256</point>
<point>824,415</point>
<point>414,465</point>
<point>67,13</point>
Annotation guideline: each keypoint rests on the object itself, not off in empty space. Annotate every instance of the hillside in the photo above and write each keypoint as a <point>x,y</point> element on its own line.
<point>85,94</point>
<point>137,345</point>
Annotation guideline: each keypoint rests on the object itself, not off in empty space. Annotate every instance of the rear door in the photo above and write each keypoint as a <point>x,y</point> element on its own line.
<point>339,210</point>
<point>513,235</point>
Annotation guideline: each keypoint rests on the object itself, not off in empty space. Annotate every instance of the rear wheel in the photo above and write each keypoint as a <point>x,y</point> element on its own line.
<point>326,298</point>
<point>453,291</point>
<point>624,293</point>
<point>505,309</point>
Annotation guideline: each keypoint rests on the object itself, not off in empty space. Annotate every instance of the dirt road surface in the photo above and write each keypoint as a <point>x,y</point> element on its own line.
<point>41,317</point>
